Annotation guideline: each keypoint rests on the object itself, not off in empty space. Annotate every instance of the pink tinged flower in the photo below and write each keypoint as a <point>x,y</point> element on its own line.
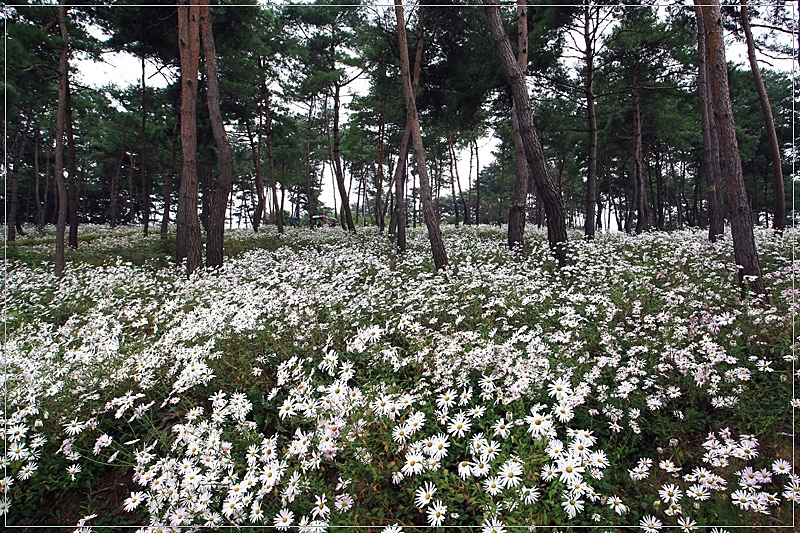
<point>320,509</point>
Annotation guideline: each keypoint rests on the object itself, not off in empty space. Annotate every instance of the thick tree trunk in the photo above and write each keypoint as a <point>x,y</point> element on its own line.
<point>311,203</point>
<point>744,246</point>
<point>221,189</point>
<point>519,197</point>
<point>778,190</point>
<point>556,227</point>
<point>710,162</point>
<point>432,223</point>
<point>591,174</point>
<point>189,246</point>
<point>58,172</point>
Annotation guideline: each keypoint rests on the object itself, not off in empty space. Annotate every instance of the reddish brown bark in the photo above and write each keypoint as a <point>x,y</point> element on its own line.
<point>221,187</point>
<point>189,247</point>
<point>744,246</point>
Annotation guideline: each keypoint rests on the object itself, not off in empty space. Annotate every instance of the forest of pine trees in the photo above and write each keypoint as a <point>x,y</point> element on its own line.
<point>622,117</point>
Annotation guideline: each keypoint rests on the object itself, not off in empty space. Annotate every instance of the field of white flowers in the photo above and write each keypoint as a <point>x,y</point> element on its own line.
<point>324,382</point>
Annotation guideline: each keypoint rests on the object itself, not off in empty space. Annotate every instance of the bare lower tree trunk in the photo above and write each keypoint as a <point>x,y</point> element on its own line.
<point>379,220</point>
<point>72,173</point>
<point>589,36</point>
<point>272,178</point>
<point>37,195</point>
<point>710,161</point>
<point>451,158</point>
<point>311,199</point>
<point>145,191</point>
<point>778,191</point>
<point>58,172</point>
<point>337,162</point>
<point>173,157</point>
<point>432,223</point>
<point>519,197</point>
<point>556,227</point>
<point>189,246</point>
<point>221,188</point>
<point>642,204</point>
<point>744,246</point>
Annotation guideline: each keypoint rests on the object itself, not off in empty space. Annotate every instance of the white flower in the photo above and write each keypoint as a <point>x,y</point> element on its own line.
<point>133,501</point>
<point>284,519</point>
<point>436,513</point>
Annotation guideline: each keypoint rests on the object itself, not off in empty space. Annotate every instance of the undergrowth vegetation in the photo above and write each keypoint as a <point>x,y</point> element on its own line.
<point>320,381</point>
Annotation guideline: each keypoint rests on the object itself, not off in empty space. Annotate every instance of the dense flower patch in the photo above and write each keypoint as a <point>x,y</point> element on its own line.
<point>331,382</point>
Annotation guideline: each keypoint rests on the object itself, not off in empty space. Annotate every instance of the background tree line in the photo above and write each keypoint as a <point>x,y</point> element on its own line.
<point>616,94</point>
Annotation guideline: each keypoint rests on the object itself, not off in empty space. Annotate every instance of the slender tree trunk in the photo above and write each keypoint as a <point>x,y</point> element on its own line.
<point>711,158</point>
<point>255,149</point>
<point>744,246</point>
<point>272,178</point>
<point>451,158</point>
<point>477,182</point>
<point>17,151</point>
<point>778,191</point>
<point>221,190</point>
<point>434,232</point>
<point>379,177</point>
<point>337,161</point>
<point>168,179</point>
<point>37,194</point>
<point>72,172</point>
<point>145,190</point>
<point>642,211</point>
<point>399,178</point>
<point>189,247</point>
<point>556,227</point>
<point>58,172</point>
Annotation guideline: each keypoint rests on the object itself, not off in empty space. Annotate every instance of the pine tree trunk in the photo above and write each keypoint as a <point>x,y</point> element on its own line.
<point>744,247</point>
<point>255,150</point>
<point>710,161</point>
<point>556,227</point>
<point>311,203</point>
<point>642,214</point>
<point>379,178</point>
<point>432,223</point>
<point>519,197</point>
<point>272,178</point>
<point>145,190</point>
<point>58,172</point>
<point>591,174</point>
<point>173,157</point>
<point>221,189</point>
<point>778,190</point>
<point>189,246</point>
<point>72,172</point>
<point>37,194</point>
